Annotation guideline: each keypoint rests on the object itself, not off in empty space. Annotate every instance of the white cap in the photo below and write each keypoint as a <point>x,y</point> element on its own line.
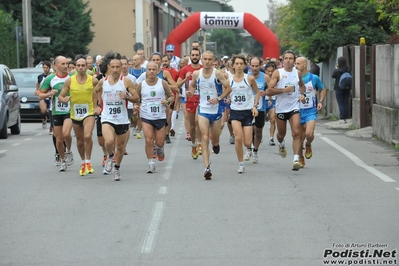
<point>98,57</point>
<point>225,57</point>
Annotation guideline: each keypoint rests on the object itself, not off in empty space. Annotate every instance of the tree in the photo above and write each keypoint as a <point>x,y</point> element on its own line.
<point>389,9</point>
<point>318,27</point>
<point>226,41</point>
<point>8,51</point>
<point>67,23</point>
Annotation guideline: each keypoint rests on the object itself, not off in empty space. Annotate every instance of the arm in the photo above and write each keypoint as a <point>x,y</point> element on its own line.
<point>131,88</point>
<point>62,97</point>
<point>183,76</point>
<point>45,90</point>
<point>170,80</point>
<point>225,83</point>
<point>169,94</point>
<point>271,90</point>
<point>255,89</point>
<point>262,91</point>
<point>95,83</point>
<point>97,97</point>
<point>193,84</point>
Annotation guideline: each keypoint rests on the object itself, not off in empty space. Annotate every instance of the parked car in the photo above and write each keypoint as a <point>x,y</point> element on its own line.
<point>26,80</point>
<point>10,116</point>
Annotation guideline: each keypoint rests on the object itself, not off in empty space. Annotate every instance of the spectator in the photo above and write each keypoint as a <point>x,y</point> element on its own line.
<point>341,95</point>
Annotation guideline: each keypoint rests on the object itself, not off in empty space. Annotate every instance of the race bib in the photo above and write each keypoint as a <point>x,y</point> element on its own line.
<point>60,106</point>
<point>154,109</point>
<point>239,98</point>
<point>81,110</point>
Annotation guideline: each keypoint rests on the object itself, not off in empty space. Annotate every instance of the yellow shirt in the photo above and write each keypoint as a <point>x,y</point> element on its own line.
<point>81,98</point>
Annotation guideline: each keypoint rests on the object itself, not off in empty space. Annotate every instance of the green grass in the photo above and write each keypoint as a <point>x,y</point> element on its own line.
<point>396,146</point>
<point>334,118</point>
<point>353,127</point>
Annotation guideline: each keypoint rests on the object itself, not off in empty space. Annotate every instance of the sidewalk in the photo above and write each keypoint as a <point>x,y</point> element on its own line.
<point>366,132</point>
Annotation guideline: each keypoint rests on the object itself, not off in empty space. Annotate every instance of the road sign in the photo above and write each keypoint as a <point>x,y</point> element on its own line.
<point>36,39</point>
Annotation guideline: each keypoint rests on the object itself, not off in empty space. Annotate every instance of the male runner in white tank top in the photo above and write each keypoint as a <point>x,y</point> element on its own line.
<point>289,88</point>
<point>112,92</point>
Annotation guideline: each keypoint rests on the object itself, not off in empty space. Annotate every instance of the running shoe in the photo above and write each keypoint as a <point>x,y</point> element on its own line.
<point>151,168</point>
<point>247,155</point>
<point>44,123</point>
<point>282,151</point>
<point>167,139</point>
<point>108,166</point>
<point>271,142</point>
<point>241,169</point>
<point>83,171</point>
<point>138,135</point>
<point>57,159</point>
<point>69,158</point>
<point>199,148</point>
<point>208,174</point>
<point>134,131</point>
<point>296,165</point>
<point>302,162</point>
<point>308,152</point>
<point>63,166</point>
<point>255,157</point>
<point>172,132</point>
<point>216,149</point>
<point>117,174</point>
<point>160,154</point>
<point>194,152</point>
<point>232,139</point>
<point>50,131</point>
<point>89,168</point>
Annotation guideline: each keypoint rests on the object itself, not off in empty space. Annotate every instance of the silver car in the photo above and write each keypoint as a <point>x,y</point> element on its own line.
<point>10,116</point>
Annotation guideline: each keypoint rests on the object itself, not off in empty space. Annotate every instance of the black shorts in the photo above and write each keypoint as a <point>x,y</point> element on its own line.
<point>80,122</point>
<point>119,129</point>
<point>99,126</point>
<point>260,119</point>
<point>244,116</point>
<point>287,116</point>
<point>129,113</point>
<point>157,124</point>
<point>58,120</point>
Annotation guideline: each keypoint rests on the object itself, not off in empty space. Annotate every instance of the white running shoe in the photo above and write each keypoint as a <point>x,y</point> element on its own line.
<point>255,157</point>
<point>151,168</point>
<point>282,151</point>
<point>69,158</point>
<point>57,159</point>
<point>117,174</point>
<point>296,165</point>
<point>63,166</point>
<point>232,139</point>
<point>108,166</point>
<point>241,169</point>
<point>247,155</point>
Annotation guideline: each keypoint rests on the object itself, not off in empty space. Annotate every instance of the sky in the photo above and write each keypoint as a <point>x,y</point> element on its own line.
<point>258,8</point>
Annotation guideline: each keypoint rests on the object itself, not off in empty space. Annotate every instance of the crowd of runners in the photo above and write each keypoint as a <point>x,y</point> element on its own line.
<point>122,96</point>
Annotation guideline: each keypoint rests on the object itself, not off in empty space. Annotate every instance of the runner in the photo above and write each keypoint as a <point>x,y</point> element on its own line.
<point>112,92</point>
<point>44,105</point>
<point>136,71</point>
<point>156,96</point>
<point>213,88</point>
<point>261,81</point>
<point>80,88</point>
<point>243,107</point>
<point>52,87</point>
<point>308,109</point>
<point>270,106</point>
<point>289,88</point>
<point>192,102</point>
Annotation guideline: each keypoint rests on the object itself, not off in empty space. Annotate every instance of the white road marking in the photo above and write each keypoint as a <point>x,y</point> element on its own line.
<point>39,134</point>
<point>358,161</point>
<point>29,139</point>
<point>149,241</point>
<point>163,190</point>
<point>318,134</point>
<point>397,188</point>
<point>172,155</point>
<point>3,151</point>
<point>15,144</point>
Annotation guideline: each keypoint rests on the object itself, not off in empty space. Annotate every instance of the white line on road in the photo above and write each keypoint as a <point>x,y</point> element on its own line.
<point>163,190</point>
<point>317,134</point>
<point>358,161</point>
<point>39,134</point>
<point>3,151</point>
<point>149,241</point>
<point>397,188</point>
<point>29,139</point>
<point>15,144</point>
<point>172,154</point>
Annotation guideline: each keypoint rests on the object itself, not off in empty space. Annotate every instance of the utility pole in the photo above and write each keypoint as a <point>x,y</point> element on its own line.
<point>27,28</point>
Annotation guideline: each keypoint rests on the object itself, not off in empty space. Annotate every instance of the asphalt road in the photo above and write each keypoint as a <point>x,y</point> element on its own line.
<point>346,199</point>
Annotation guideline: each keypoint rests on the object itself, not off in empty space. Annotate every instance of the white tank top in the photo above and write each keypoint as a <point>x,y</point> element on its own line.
<point>207,90</point>
<point>242,97</point>
<point>114,108</point>
<point>288,101</point>
<point>310,101</point>
<point>151,97</point>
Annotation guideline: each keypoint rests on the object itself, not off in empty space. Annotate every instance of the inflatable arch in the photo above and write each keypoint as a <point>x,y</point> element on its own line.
<point>226,20</point>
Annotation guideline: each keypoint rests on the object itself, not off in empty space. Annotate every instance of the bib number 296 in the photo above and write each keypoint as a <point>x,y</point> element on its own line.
<point>115,110</point>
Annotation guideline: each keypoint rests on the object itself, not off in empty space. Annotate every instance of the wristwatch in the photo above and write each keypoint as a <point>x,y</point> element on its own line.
<point>219,99</point>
